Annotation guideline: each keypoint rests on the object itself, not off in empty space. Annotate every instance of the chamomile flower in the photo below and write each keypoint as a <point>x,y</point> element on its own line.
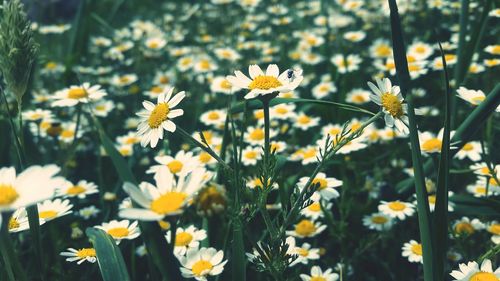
<point>472,272</point>
<point>305,253</point>
<point>413,251</point>
<point>346,64</point>
<point>121,230</point>
<point>390,99</point>
<point>304,121</point>
<point>80,189</point>
<point>306,229</point>
<point>471,150</point>
<point>358,96</point>
<point>326,185</point>
<point>216,117</point>
<point>255,135</point>
<point>319,275</point>
<point>37,114</point>
<point>323,89</point>
<point>16,191</point>
<point>19,221</point>
<point>283,111</point>
<point>51,209</point>
<point>494,229</point>
<point>378,221</point>
<point>182,164</point>
<point>397,209</point>
<point>250,155</point>
<point>80,256</point>
<point>466,226</point>
<point>157,117</point>
<point>315,209</point>
<point>221,85</point>
<point>261,84</point>
<point>200,264</point>
<point>78,94</point>
<point>169,197</point>
<point>185,239</point>
<point>474,97</point>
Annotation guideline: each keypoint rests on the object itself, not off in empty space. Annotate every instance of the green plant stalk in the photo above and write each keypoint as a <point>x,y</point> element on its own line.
<point>238,252</point>
<point>464,133</point>
<point>7,251</point>
<point>441,211</point>
<point>403,76</point>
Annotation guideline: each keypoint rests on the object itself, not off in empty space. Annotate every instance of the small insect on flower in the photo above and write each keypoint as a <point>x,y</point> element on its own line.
<point>390,99</point>
<point>291,74</point>
<point>157,118</point>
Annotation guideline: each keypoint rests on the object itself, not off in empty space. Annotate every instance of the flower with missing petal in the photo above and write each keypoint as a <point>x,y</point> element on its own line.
<point>390,99</point>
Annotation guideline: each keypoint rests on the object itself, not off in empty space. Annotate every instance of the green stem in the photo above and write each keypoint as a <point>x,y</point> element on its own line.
<point>8,253</point>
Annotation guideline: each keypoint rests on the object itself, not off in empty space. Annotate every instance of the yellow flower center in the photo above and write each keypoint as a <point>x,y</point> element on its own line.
<point>495,50</point>
<point>483,276</point>
<point>322,183</point>
<point>77,93</point>
<point>257,134</point>
<point>158,115</point>
<point>50,214</point>
<point>264,82</point>
<point>358,99</point>
<point>396,206</point>
<point>86,252</point>
<point>165,225</point>
<point>164,80</point>
<point>417,249</point>
<point>314,207</point>
<point>204,157</point>
<point>303,252</point>
<point>183,239</point>
<point>156,90</point>
<point>317,278</point>
<point>392,104</point>
<point>7,194</point>
<point>468,147</point>
<point>303,119</point>
<point>51,65</point>
<point>432,199</point>
<point>75,190</point>
<point>118,232</point>
<point>13,224</point>
<point>379,219</point>
<point>201,267</point>
<point>168,203</point>
<point>213,115</point>
<point>251,154</point>
<point>305,228</point>
<point>281,110</point>
<point>67,134</point>
<point>494,229</point>
<point>153,45</point>
<point>383,51</point>
<point>225,84</point>
<point>175,166</point>
<point>464,228</point>
<point>204,64</point>
<point>433,144</point>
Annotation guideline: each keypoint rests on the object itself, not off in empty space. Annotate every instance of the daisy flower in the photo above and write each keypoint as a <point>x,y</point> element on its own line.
<point>120,230</point>
<point>305,253</point>
<point>304,122</point>
<point>261,84</point>
<point>214,117</point>
<point>88,212</point>
<point>37,115</point>
<point>78,94</point>
<point>472,272</point>
<point>255,135</point>
<point>466,226</point>
<point>323,89</point>
<point>186,239</point>
<point>19,221</point>
<point>346,64</point>
<point>306,229</point>
<point>494,228</point>
<point>16,191</point>
<point>221,85</point>
<point>200,264</point>
<point>358,96</point>
<point>396,209</point>
<point>378,221</point>
<point>80,255</point>
<point>413,251</point>
<point>80,190</point>
<point>319,275</point>
<point>169,197</point>
<point>157,118</point>
<point>181,164</point>
<point>51,209</point>
<point>390,99</point>
<point>283,111</point>
<point>474,97</point>
<point>326,186</point>
<point>250,155</point>
<point>314,210</point>
<point>471,150</point>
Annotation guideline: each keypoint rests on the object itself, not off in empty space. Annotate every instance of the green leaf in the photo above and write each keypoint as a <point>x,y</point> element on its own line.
<point>422,199</point>
<point>238,252</point>
<point>467,205</point>
<point>441,212</point>
<point>109,257</point>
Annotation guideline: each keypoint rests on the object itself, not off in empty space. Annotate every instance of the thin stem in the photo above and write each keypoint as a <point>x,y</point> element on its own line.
<point>17,141</point>
<point>7,250</point>
<point>206,148</point>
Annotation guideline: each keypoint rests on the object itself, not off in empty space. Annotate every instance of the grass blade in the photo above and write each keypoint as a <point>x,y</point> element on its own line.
<point>422,199</point>
<point>464,133</point>
<point>238,252</point>
<point>109,257</point>
<point>441,211</point>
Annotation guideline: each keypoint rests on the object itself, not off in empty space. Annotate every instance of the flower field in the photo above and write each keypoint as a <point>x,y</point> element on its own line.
<point>253,140</point>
